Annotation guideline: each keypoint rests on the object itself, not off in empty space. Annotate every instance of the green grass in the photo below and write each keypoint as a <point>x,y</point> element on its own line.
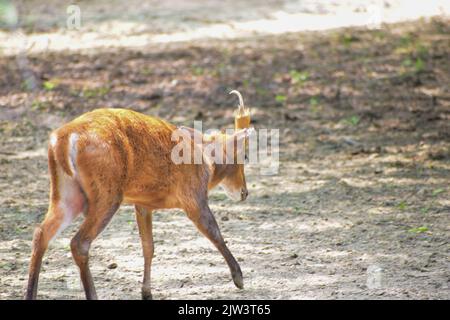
<point>314,101</point>
<point>348,39</point>
<point>298,210</point>
<point>379,34</point>
<point>425,210</point>
<point>280,98</point>
<point>437,192</point>
<point>421,50</point>
<point>411,45</point>
<point>262,91</point>
<point>314,104</point>
<point>416,51</point>
<point>37,105</point>
<point>406,41</point>
<point>407,62</point>
<point>402,205</point>
<point>198,71</point>
<point>299,77</point>
<point>49,85</point>
<point>419,230</point>
<point>352,121</point>
<point>419,65</point>
<point>95,92</point>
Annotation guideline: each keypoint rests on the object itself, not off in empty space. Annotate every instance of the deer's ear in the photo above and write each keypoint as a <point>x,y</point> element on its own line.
<point>243,133</point>
<point>190,133</point>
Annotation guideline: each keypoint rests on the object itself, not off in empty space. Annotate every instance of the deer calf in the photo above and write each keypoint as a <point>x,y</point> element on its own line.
<point>112,156</point>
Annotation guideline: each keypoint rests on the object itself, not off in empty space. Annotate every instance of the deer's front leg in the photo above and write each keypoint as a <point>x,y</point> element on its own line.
<point>206,224</point>
<point>144,221</point>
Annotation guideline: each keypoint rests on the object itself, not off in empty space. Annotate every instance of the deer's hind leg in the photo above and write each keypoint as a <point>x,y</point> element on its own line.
<point>97,218</point>
<point>67,201</point>
<point>101,174</point>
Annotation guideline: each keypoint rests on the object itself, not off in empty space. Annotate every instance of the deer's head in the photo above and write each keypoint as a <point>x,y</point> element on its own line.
<point>233,175</point>
<point>225,153</point>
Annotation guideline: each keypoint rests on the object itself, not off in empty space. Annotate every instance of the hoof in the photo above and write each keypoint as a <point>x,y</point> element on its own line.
<point>146,295</point>
<point>29,296</point>
<point>238,280</point>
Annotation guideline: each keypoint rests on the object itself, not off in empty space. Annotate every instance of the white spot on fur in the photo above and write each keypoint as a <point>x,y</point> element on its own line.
<point>71,202</point>
<point>73,151</point>
<point>67,218</point>
<point>53,139</point>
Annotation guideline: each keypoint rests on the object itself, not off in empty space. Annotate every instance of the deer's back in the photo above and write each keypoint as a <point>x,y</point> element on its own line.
<point>119,149</point>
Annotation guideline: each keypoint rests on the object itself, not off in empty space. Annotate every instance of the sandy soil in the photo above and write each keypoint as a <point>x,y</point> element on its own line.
<point>364,165</point>
<point>47,25</point>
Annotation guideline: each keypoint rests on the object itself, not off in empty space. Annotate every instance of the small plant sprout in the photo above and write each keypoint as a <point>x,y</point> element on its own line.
<point>314,103</point>
<point>50,85</point>
<point>298,77</point>
<point>419,230</point>
<point>437,192</point>
<point>402,205</point>
<point>280,98</point>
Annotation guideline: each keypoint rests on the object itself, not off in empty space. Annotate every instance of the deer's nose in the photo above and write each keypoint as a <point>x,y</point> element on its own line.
<point>244,194</point>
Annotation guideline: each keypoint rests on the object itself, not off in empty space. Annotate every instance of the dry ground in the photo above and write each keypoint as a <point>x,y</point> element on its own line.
<point>364,165</point>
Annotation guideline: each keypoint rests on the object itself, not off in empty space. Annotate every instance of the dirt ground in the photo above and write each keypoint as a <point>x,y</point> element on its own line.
<point>363,184</point>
